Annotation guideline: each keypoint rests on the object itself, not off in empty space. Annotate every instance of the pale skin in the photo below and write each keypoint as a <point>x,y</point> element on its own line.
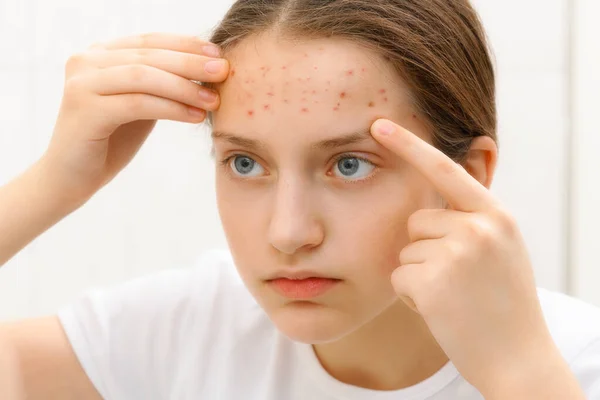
<point>410,266</point>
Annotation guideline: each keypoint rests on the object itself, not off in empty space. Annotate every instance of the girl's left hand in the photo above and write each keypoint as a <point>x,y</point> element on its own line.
<point>467,272</point>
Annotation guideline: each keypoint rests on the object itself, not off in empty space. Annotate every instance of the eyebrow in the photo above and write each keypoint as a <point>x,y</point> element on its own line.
<point>326,144</point>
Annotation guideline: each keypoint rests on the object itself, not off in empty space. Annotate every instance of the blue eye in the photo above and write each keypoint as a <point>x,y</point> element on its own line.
<point>353,167</point>
<point>246,167</point>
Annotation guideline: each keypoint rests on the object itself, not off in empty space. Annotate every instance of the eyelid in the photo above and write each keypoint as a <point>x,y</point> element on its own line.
<point>341,156</point>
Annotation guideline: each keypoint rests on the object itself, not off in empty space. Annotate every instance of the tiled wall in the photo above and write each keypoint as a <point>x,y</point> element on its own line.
<point>160,213</point>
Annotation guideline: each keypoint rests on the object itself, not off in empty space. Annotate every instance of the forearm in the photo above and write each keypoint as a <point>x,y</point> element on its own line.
<point>552,379</point>
<point>29,205</point>
<point>11,384</point>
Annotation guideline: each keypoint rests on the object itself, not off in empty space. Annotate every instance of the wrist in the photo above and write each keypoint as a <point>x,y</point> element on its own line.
<point>539,376</point>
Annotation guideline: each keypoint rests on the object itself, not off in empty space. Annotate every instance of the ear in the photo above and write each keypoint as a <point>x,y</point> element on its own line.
<point>481,160</point>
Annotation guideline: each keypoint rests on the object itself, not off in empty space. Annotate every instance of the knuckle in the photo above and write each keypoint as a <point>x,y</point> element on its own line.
<point>74,86</point>
<point>74,62</point>
<point>135,104</point>
<point>137,73</point>
<point>455,251</point>
<point>506,222</point>
<point>141,56</point>
<point>415,220</point>
<point>145,39</point>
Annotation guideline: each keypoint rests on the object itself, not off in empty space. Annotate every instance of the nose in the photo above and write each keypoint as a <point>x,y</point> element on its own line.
<point>294,225</point>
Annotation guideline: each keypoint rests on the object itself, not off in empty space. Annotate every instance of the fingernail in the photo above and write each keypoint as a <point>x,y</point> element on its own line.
<point>384,128</point>
<point>207,96</point>
<point>214,67</point>
<point>212,51</point>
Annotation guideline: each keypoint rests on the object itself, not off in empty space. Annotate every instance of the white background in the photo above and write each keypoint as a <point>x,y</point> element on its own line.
<point>160,212</point>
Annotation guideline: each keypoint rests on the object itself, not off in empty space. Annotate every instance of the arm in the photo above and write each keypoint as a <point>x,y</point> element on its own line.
<point>37,362</point>
<point>28,207</point>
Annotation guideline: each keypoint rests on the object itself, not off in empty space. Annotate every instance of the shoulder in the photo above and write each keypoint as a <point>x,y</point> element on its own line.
<point>573,323</point>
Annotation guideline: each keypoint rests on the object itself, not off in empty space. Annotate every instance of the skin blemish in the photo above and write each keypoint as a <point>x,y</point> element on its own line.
<point>232,74</point>
<point>382,91</point>
<point>385,99</point>
<point>284,67</point>
<point>267,107</point>
<point>304,110</point>
<point>414,116</point>
<point>251,113</point>
<point>350,72</point>
<point>304,99</point>
<point>305,55</point>
<point>270,94</point>
<point>314,92</point>
<point>371,104</point>
<point>343,95</point>
<point>364,70</point>
<point>286,101</point>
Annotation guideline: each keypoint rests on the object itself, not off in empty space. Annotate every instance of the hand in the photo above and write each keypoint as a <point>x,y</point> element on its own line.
<point>467,272</point>
<point>113,95</point>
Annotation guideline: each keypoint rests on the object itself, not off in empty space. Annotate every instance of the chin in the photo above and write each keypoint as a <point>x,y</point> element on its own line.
<point>311,323</point>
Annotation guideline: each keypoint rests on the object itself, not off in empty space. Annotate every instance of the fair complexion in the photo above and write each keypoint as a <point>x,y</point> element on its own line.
<point>302,186</point>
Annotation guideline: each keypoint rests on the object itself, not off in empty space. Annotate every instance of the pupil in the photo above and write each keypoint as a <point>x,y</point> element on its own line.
<point>244,165</point>
<point>348,166</point>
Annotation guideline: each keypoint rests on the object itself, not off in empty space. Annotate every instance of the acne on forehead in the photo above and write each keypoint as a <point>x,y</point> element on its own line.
<point>253,83</point>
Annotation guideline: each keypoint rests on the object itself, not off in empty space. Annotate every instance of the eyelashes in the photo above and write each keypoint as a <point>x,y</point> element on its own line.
<point>347,167</point>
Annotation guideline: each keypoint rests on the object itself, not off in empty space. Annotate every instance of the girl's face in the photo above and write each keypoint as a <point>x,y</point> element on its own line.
<point>302,186</point>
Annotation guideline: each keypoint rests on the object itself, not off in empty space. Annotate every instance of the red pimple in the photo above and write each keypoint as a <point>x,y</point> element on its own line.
<point>336,108</point>
<point>364,70</point>
<point>371,104</point>
<point>314,92</point>
<point>262,68</point>
<point>305,55</point>
<point>303,99</point>
<point>382,91</point>
<point>350,72</point>
<point>304,110</point>
<point>270,94</point>
<point>316,68</point>
<point>267,107</point>
<point>250,113</point>
<point>343,95</point>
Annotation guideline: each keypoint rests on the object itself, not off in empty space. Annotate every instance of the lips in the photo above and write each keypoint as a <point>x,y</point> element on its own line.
<point>298,288</point>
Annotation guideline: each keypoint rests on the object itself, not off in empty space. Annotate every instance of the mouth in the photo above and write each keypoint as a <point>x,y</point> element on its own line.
<point>303,288</point>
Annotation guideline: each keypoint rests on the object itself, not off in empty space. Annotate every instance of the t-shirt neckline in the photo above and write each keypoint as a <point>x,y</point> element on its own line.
<point>340,390</point>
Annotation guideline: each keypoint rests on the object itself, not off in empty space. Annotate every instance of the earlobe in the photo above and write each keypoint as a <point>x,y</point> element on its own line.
<point>481,160</point>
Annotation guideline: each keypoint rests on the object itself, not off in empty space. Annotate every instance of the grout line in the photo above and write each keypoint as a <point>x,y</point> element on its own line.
<point>569,178</point>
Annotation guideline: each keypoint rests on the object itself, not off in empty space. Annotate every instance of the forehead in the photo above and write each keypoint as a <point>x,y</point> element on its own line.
<point>307,85</point>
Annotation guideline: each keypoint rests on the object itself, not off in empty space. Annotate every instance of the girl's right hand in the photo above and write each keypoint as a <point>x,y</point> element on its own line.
<point>114,94</point>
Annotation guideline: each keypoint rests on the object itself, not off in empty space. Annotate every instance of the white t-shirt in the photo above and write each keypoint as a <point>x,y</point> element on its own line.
<point>197,333</point>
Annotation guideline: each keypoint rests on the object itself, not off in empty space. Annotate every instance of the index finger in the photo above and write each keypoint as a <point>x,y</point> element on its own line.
<point>167,41</point>
<point>456,185</point>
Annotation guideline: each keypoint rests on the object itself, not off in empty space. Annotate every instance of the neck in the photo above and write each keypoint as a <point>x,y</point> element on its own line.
<point>394,351</point>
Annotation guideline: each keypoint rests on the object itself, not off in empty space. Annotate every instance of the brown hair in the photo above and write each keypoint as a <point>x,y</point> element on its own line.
<point>438,47</point>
